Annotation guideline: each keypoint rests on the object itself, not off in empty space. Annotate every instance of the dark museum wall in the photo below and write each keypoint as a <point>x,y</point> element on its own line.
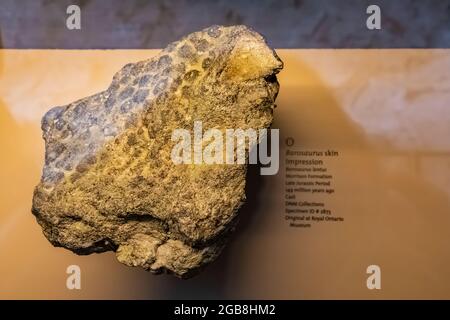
<point>286,24</point>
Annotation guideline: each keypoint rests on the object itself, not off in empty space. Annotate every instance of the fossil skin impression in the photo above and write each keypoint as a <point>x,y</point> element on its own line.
<point>109,182</point>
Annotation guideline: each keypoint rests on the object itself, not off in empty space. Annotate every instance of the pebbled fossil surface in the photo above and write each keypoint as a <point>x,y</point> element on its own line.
<point>109,182</point>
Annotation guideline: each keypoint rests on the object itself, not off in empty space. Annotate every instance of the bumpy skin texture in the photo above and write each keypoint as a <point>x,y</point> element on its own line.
<point>109,182</point>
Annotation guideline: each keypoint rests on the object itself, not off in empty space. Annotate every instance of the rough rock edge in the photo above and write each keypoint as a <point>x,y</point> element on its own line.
<point>137,249</point>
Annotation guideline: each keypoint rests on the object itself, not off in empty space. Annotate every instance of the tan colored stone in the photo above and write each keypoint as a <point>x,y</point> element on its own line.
<point>109,182</point>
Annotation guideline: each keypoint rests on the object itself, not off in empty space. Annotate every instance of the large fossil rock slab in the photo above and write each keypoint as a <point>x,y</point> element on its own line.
<point>109,182</point>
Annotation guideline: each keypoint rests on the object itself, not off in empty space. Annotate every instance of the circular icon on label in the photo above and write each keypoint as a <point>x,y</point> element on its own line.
<point>290,141</point>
